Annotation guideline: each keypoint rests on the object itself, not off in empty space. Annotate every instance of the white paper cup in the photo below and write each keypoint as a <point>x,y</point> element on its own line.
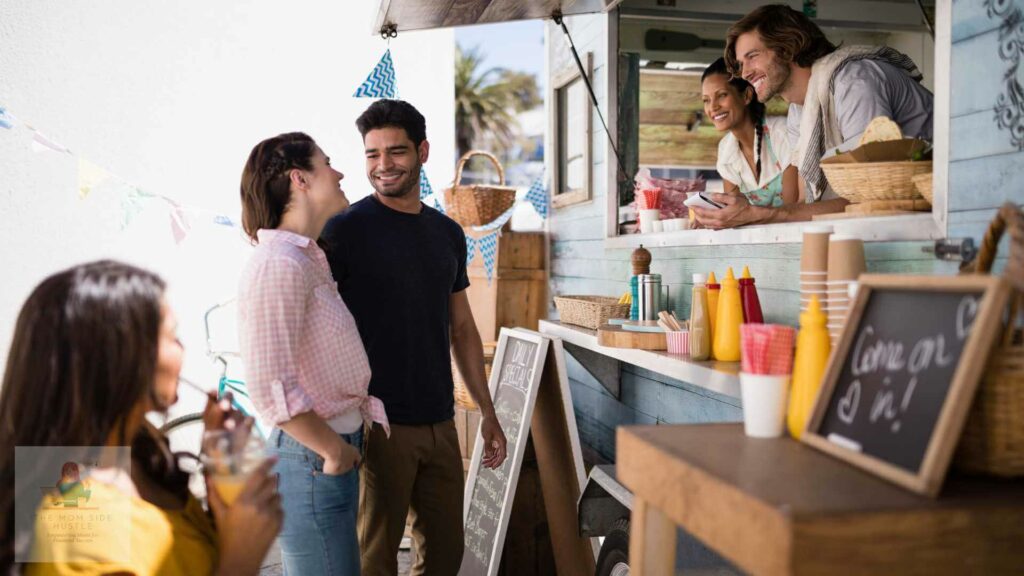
<point>764,404</point>
<point>676,224</point>
<point>647,220</point>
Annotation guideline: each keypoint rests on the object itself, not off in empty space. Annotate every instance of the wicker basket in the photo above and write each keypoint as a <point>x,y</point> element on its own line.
<point>864,181</point>
<point>923,183</point>
<point>462,397</point>
<point>589,311</point>
<point>993,437</point>
<point>478,204</point>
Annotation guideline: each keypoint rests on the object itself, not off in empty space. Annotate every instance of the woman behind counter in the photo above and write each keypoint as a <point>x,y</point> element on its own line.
<point>753,157</point>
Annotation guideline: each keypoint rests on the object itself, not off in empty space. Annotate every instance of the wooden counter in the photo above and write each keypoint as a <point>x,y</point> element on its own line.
<point>779,507</point>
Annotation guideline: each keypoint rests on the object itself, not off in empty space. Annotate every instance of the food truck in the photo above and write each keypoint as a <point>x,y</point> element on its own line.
<point>624,99</point>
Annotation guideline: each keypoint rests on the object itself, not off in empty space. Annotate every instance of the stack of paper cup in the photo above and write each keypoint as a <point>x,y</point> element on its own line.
<point>814,264</point>
<point>845,264</point>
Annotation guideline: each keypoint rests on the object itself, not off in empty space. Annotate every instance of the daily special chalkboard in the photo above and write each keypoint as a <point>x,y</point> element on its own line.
<point>900,382</point>
<point>518,363</point>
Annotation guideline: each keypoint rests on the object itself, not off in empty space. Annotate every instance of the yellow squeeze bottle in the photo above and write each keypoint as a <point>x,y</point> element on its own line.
<point>713,290</point>
<point>728,318</point>
<point>700,321</point>
<point>812,350</point>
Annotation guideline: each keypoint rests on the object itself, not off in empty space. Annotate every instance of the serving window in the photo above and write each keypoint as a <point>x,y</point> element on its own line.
<point>663,130</point>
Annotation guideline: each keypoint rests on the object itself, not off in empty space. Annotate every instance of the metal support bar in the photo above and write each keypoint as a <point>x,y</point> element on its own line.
<point>606,370</point>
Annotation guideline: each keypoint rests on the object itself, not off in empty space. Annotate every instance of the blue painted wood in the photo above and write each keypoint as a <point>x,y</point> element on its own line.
<point>978,135</point>
<point>970,19</point>
<point>986,182</point>
<point>977,74</point>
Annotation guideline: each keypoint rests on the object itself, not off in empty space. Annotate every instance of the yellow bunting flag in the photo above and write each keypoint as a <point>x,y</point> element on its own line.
<point>89,177</point>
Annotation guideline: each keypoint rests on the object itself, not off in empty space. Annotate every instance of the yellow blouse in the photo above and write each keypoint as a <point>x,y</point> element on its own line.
<point>113,532</point>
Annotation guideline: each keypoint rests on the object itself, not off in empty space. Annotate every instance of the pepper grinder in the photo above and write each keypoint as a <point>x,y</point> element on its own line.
<point>641,260</point>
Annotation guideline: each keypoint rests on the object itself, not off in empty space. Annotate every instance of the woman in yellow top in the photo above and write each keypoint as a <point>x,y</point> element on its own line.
<point>94,349</point>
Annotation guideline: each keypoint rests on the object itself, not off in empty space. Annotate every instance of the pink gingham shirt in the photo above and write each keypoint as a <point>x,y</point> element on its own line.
<point>299,342</point>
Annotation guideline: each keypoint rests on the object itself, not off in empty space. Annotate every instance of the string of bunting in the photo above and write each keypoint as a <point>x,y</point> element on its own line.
<point>133,199</point>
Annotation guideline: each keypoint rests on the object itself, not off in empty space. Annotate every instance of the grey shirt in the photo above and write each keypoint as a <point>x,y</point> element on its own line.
<point>866,89</point>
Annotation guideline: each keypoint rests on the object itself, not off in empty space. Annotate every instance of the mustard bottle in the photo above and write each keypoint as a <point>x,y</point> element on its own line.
<point>713,291</point>
<point>812,349</point>
<point>728,318</point>
<point>700,320</point>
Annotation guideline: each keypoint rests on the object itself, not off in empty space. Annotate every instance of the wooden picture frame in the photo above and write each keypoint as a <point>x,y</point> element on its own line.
<point>559,197</point>
<point>957,401</point>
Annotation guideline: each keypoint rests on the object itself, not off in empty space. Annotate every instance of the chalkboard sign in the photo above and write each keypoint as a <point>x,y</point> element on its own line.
<point>531,396</point>
<point>518,363</point>
<point>902,377</point>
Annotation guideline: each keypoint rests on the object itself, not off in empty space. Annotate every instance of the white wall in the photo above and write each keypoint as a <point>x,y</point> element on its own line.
<point>171,97</point>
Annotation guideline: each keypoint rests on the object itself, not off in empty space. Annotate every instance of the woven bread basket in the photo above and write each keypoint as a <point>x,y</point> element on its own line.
<point>478,204</point>
<point>923,183</point>
<point>462,397</point>
<point>589,311</point>
<point>864,181</point>
<point>993,438</point>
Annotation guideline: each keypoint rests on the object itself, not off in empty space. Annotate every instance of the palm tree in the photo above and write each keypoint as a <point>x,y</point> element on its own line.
<point>486,101</point>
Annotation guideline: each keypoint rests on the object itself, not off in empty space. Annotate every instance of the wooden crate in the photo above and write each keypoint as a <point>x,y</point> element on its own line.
<point>516,295</point>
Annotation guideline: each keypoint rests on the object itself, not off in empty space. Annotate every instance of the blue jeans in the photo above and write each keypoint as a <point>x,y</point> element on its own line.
<point>319,532</point>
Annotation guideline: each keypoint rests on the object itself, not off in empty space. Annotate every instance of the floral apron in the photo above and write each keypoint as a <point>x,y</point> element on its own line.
<point>771,193</point>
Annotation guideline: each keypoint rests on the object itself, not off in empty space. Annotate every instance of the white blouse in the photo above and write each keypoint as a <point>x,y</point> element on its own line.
<point>775,157</point>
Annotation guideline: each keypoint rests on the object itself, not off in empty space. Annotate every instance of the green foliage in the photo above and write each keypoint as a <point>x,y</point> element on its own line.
<point>486,101</point>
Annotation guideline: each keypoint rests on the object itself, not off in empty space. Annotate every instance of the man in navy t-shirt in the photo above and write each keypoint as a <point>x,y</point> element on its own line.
<point>401,269</point>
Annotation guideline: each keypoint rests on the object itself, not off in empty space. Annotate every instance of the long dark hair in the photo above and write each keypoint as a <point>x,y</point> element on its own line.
<point>755,108</point>
<point>83,357</point>
<point>266,188</point>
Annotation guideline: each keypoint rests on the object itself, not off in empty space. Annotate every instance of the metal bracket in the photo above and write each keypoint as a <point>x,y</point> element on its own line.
<point>389,31</point>
<point>604,369</point>
<point>953,249</point>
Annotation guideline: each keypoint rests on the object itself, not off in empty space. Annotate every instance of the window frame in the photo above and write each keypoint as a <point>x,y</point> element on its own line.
<point>913,227</point>
<point>560,82</point>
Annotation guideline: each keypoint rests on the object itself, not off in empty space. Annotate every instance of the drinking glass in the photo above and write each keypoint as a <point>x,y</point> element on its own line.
<point>229,456</point>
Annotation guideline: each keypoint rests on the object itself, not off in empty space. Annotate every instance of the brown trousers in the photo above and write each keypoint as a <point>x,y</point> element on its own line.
<point>419,468</point>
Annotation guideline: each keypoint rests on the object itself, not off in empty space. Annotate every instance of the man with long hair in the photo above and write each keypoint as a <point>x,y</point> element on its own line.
<point>833,93</point>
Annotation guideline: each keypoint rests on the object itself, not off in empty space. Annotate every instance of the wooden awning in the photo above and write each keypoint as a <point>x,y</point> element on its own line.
<point>406,15</point>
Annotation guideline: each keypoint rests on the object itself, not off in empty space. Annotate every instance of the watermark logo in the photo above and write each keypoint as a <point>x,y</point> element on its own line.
<point>76,502</point>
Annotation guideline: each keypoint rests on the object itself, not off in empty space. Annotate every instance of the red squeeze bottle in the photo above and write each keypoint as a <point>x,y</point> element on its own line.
<point>748,296</point>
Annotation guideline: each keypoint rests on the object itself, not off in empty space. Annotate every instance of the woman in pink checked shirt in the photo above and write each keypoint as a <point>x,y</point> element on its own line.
<point>306,368</point>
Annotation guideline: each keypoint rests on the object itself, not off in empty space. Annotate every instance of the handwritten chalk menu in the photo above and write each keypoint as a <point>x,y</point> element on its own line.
<point>518,363</point>
<point>902,377</point>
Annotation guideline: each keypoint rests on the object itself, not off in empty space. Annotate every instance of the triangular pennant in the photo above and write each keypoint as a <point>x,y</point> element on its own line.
<point>470,249</point>
<point>89,177</point>
<point>538,196</point>
<point>6,120</point>
<point>41,143</point>
<point>381,81</point>
<point>224,221</point>
<point>425,189</point>
<point>180,226</point>
<point>132,203</point>
<point>438,206</point>
<point>488,247</point>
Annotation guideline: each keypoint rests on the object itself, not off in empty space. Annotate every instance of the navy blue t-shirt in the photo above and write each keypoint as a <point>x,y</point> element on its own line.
<point>396,273</point>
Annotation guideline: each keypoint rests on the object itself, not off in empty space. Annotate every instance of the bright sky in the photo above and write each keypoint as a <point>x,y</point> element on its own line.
<point>514,45</point>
